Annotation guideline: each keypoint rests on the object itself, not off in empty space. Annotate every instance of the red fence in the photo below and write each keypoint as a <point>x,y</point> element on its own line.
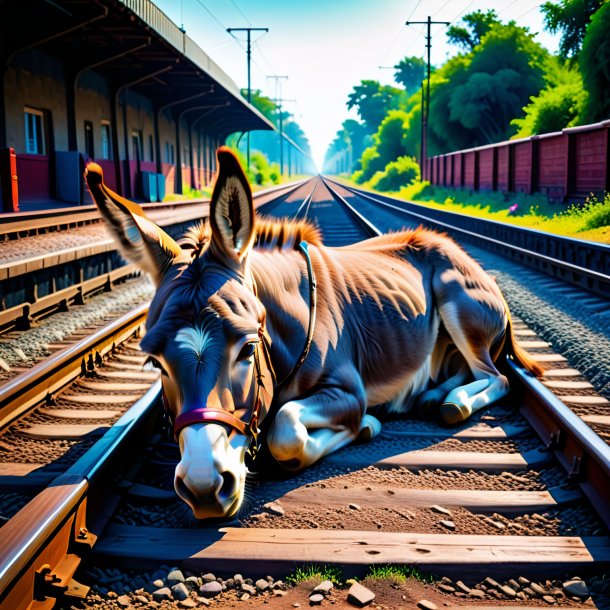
<point>568,164</point>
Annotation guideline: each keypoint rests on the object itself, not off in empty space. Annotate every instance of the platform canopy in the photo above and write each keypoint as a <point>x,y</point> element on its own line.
<point>132,43</point>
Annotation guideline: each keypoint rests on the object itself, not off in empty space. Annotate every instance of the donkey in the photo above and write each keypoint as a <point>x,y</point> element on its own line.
<point>255,323</point>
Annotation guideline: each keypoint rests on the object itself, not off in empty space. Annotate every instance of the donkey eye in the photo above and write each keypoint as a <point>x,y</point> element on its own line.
<point>247,351</point>
<point>155,363</point>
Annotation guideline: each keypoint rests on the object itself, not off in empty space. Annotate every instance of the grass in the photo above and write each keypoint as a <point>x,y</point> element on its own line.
<point>398,573</point>
<point>590,220</point>
<point>394,573</point>
<point>310,572</point>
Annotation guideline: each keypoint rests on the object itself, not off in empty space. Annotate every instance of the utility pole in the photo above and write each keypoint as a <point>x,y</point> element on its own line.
<point>249,57</point>
<point>278,100</point>
<point>425,111</point>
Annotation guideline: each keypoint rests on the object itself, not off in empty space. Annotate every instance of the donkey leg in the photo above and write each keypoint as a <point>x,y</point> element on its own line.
<point>473,325</point>
<point>461,402</point>
<point>429,401</point>
<point>306,430</point>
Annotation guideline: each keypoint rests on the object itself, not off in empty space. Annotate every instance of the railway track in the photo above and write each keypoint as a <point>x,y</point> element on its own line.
<point>520,490</point>
<point>52,260</point>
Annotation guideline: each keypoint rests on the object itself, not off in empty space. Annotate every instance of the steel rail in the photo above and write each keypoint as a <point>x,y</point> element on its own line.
<point>41,546</point>
<point>18,395</point>
<point>25,222</point>
<point>599,280</point>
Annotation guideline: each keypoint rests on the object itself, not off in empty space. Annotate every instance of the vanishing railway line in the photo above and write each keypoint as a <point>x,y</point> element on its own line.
<point>521,489</point>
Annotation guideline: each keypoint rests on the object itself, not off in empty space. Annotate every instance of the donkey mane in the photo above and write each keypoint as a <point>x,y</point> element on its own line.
<point>271,234</point>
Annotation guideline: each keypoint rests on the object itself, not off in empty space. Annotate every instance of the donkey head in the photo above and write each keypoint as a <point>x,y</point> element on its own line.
<point>204,331</point>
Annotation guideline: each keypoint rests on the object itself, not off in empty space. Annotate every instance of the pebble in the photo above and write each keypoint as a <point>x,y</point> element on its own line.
<point>296,605</point>
<point>180,591</point>
<point>244,597</point>
<point>576,587</point>
<point>490,582</point>
<point>124,601</point>
<point>248,589</point>
<point>477,593</point>
<point>316,599</point>
<point>210,589</point>
<point>424,604</point>
<point>175,576</point>
<point>160,594</point>
<point>188,603</point>
<point>193,582</point>
<point>158,583</point>
<point>508,591</point>
<point>462,587</point>
<point>262,584</point>
<point>238,578</point>
<point>209,577</point>
<point>279,593</point>
<point>514,584</point>
<point>537,589</point>
<point>359,595</point>
<point>275,509</point>
<point>446,588</point>
<point>20,353</point>
<point>450,525</point>
<point>523,581</point>
<point>324,587</point>
<point>441,510</point>
<point>549,599</point>
<point>497,524</point>
<point>353,506</point>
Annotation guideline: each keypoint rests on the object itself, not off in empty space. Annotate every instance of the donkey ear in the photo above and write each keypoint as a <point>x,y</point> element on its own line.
<point>231,209</point>
<point>139,239</point>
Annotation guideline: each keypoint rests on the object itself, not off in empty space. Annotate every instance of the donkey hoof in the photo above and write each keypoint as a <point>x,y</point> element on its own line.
<point>452,413</point>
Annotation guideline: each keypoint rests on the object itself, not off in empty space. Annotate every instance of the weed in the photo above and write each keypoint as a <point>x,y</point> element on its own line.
<point>308,572</point>
<point>398,573</point>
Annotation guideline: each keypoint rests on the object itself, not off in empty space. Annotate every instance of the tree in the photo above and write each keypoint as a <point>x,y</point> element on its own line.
<point>477,24</point>
<point>410,73</point>
<point>388,145</point>
<point>571,18</point>
<point>594,61</point>
<point>475,96</point>
<point>556,107</point>
<point>373,101</point>
<point>261,102</point>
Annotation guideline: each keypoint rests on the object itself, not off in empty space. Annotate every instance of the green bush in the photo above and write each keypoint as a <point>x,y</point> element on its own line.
<point>396,174</point>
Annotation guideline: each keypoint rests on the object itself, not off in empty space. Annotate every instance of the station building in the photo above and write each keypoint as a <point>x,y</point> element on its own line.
<point>115,81</point>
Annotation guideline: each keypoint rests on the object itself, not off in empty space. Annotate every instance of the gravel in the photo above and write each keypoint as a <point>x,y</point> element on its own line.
<point>105,306</point>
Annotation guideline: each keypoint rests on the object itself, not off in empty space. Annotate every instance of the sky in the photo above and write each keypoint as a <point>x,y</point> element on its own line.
<point>325,47</point>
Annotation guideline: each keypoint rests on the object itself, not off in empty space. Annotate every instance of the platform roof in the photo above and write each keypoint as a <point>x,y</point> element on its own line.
<point>132,43</point>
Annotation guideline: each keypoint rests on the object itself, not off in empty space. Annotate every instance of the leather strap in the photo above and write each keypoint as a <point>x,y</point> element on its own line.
<point>199,416</point>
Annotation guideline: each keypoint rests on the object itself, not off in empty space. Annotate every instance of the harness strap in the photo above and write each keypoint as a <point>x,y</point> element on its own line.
<point>198,416</point>
<point>313,303</point>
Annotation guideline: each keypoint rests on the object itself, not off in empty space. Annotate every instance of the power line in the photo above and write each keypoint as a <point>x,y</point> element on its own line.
<point>413,11</point>
<point>241,12</point>
<point>529,11</point>
<point>442,7</point>
<point>209,12</point>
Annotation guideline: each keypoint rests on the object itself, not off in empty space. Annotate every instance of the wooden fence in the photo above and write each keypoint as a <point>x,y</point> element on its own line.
<point>565,165</point>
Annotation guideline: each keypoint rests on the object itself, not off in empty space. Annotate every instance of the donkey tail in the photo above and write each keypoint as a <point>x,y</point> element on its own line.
<point>512,348</point>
